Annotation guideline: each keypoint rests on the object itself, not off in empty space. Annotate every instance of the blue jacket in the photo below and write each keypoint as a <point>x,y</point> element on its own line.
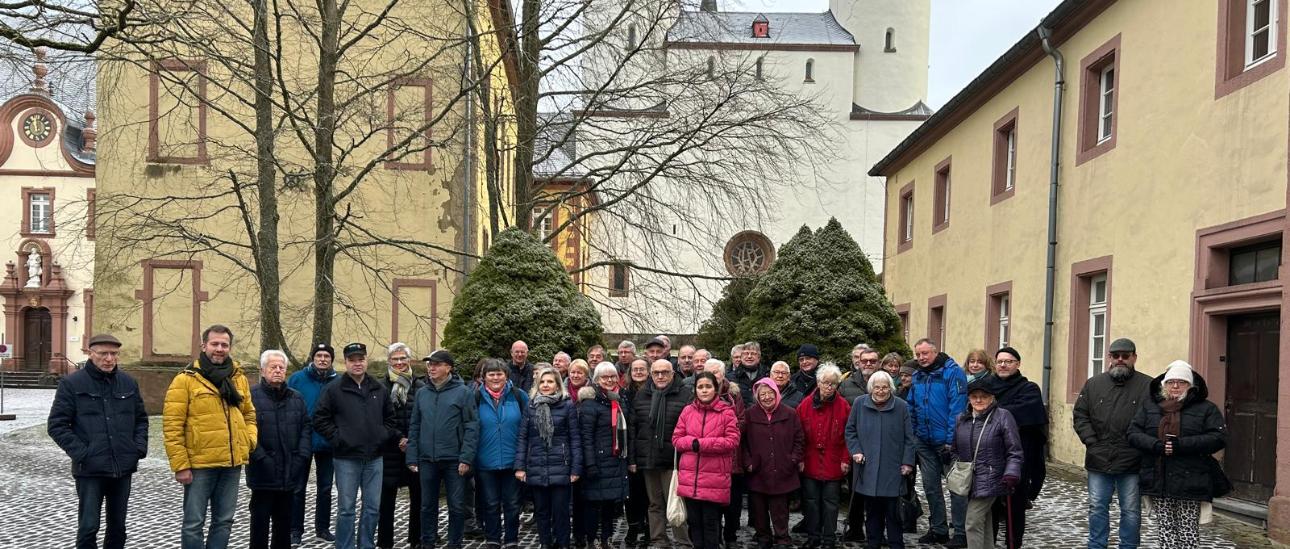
<point>886,438</point>
<point>499,427</point>
<point>551,465</point>
<point>936,398</point>
<point>309,383</point>
<point>283,450</point>
<point>99,421</point>
<point>444,424</point>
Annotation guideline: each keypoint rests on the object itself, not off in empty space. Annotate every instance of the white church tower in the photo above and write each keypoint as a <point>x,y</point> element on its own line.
<point>891,67</point>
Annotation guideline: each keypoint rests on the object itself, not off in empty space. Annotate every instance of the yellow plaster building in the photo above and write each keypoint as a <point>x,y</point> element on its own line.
<point>1169,202</point>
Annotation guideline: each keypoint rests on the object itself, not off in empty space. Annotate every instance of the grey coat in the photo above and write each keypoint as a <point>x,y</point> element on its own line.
<point>886,438</point>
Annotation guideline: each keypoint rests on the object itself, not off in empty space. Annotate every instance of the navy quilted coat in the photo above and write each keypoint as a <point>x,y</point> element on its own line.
<point>284,446</point>
<point>604,474</point>
<point>550,465</point>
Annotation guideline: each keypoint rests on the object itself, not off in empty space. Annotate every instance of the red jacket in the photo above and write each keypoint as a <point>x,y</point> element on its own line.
<point>826,446</point>
<point>705,475</point>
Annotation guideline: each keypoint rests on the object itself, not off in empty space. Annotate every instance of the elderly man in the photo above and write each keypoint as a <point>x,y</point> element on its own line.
<point>693,359</point>
<point>309,382</point>
<point>782,375</point>
<point>98,420</point>
<point>595,355</point>
<point>208,423</point>
<point>936,399</point>
<point>656,349</point>
<point>561,362</point>
<point>626,355</point>
<point>1102,414</point>
<point>864,362</point>
<point>654,413</point>
<point>357,418</point>
<point>521,371</point>
<point>1020,396</point>
<point>808,357</point>
<point>749,369</point>
<point>280,457</point>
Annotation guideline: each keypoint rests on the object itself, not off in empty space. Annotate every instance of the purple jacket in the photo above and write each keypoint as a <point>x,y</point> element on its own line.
<point>1000,453</point>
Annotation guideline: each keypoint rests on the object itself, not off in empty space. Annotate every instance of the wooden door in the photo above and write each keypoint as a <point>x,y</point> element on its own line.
<point>1251,408</point>
<point>37,339</point>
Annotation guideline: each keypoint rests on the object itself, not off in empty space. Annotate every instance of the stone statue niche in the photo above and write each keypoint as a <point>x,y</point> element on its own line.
<point>34,270</point>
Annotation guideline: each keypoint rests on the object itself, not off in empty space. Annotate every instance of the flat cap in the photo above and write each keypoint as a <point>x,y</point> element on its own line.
<point>1123,345</point>
<point>439,356</point>
<point>103,339</point>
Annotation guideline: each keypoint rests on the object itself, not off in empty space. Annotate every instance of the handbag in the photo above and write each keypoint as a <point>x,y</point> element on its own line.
<point>675,507</point>
<point>959,479</point>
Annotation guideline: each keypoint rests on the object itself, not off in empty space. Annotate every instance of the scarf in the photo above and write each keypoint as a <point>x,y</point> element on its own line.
<point>321,376</point>
<point>497,395</point>
<point>218,375</point>
<point>818,401</point>
<point>542,414</point>
<point>657,400</point>
<point>1170,419</point>
<point>617,421</point>
<point>276,393</point>
<point>400,384</point>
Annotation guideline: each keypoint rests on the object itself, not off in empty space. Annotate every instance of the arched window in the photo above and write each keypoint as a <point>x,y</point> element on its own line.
<point>712,67</point>
<point>631,36</point>
<point>810,70</point>
<point>891,40</point>
<point>760,62</point>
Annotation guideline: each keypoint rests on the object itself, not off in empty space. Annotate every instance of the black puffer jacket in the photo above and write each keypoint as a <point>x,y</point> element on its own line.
<point>1102,414</point>
<point>395,458</point>
<point>99,421</point>
<point>1191,473</point>
<point>745,378</point>
<point>604,474</point>
<point>284,438</point>
<point>1022,397</point>
<point>652,447</point>
<point>357,420</point>
<point>550,465</point>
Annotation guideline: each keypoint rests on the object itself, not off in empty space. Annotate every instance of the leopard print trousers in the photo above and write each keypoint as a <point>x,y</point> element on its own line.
<point>1177,523</point>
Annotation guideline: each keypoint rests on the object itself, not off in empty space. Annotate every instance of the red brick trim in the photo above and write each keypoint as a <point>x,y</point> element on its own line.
<point>392,134</point>
<point>1090,70</point>
<point>993,295</point>
<point>1230,73</point>
<point>936,320</point>
<point>54,131</point>
<point>87,299</point>
<point>147,296</point>
<point>1077,336</point>
<point>91,203</point>
<point>154,116</point>
<point>25,229</point>
<point>942,194</point>
<point>999,167</point>
<point>768,46</point>
<point>434,306</point>
<point>903,243</point>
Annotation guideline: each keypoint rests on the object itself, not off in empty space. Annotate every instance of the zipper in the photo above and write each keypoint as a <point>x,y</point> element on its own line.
<point>703,427</point>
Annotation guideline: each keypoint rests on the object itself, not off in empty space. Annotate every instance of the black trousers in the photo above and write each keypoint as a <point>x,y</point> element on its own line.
<point>271,510</point>
<point>391,481</point>
<point>704,521</point>
<point>598,518</point>
<point>884,514</point>
<point>730,514</point>
<point>637,502</point>
<point>1017,528</point>
<point>855,506</point>
<point>91,493</point>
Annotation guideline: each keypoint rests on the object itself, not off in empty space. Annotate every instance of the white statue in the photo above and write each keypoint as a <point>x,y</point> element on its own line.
<point>34,271</point>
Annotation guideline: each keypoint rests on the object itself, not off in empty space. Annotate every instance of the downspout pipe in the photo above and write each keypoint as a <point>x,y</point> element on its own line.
<point>468,231</point>
<point>1054,172</point>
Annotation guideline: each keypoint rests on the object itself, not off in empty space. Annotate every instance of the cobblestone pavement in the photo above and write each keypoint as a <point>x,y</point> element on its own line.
<point>38,502</point>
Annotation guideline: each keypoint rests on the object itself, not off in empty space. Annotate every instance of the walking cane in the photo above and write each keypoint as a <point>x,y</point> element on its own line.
<point>1008,503</point>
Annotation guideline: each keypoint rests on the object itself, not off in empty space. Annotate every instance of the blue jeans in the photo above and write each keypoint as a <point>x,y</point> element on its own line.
<point>432,473</point>
<point>1101,487</point>
<point>501,497</point>
<point>932,468</point>
<point>351,476</point>
<point>91,493</point>
<point>214,489</point>
<point>322,511</point>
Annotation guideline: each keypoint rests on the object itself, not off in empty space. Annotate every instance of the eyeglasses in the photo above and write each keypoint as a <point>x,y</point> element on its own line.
<point>829,383</point>
<point>661,373</point>
<point>1176,382</point>
<point>1006,362</point>
<point>863,361</point>
<point>1121,355</point>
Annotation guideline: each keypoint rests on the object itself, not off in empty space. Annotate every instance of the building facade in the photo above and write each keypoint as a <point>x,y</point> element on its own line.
<point>1168,205</point>
<point>47,160</point>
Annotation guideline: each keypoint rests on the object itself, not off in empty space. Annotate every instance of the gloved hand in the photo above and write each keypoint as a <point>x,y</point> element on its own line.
<point>695,445</point>
<point>1011,482</point>
<point>947,453</point>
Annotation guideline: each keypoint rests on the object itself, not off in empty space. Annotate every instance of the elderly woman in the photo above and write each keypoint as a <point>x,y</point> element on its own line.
<point>978,365</point>
<point>501,408</point>
<point>906,378</point>
<point>986,435</point>
<point>880,438</point>
<point>891,363</point>
<point>401,385</point>
<point>549,455</point>
<point>603,486</point>
<point>790,394</point>
<point>579,376</point>
<point>706,438</point>
<point>825,461</point>
<point>1177,432</point>
<point>282,455</point>
<point>772,454</point>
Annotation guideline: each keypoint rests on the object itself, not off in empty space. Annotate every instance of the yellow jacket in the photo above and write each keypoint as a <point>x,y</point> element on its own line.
<point>200,429</point>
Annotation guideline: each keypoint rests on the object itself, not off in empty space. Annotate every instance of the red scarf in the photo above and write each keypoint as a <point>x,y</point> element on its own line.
<point>614,412</point>
<point>497,395</point>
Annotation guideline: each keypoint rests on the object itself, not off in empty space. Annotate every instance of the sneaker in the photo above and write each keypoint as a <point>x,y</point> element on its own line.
<point>957,542</point>
<point>325,535</point>
<point>933,537</point>
<point>295,538</point>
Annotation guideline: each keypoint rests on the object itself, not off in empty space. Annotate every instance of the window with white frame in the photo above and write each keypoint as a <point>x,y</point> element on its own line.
<point>810,70</point>
<point>1010,175</point>
<point>1105,103</point>
<point>41,210</point>
<point>1097,325</point>
<point>907,207</point>
<point>541,223</point>
<point>1005,303</point>
<point>1260,30</point>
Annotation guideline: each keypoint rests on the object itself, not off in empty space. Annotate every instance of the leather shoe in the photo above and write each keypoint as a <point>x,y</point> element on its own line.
<point>932,537</point>
<point>957,542</point>
<point>325,535</point>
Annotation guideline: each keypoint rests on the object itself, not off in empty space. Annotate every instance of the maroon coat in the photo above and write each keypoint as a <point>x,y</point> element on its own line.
<point>772,448</point>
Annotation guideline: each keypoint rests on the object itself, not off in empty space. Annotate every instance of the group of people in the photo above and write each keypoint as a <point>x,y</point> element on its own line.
<point>583,444</point>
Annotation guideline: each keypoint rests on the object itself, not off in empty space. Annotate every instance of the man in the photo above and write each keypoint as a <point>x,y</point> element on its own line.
<point>561,362</point>
<point>808,357</point>
<point>667,352</point>
<point>685,360</point>
<point>309,382</point>
<point>626,355</point>
<point>281,455</point>
<point>521,369</point>
<point>1020,396</point>
<point>98,419</point>
<point>442,438</point>
<point>694,359</point>
<point>653,418</point>
<point>749,369</point>
<point>357,420</point>
<point>938,396</point>
<point>736,353</point>
<point>1102,414</point>
<point>595,355</point>
<point>655,350</point>
<point>864,362</point>
<point>400,386</point>
<point>789,394</point>
<point>208,423</point>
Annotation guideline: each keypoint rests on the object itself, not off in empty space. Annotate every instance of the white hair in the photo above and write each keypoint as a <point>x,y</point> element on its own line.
<point>828,370</point>
<point>562,353</point>
<point>604,368</point>
<point>861,347</point>
<point>271,353</point>
<point>880,375</point>
<point>396,347</point>
<point>714,363</point>
<point>625,344</point>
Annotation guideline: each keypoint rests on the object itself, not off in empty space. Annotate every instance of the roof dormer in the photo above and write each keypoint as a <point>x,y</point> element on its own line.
<point>761,27</point>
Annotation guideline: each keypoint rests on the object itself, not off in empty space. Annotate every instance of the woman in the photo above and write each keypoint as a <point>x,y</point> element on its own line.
<point>825,461</point>
<point>906,378</point>
<point>501,411</point>
<point>706,438</point>
<point>550,456</point>
<point>637,508</point>
<point>579,374</point>
<point>891,363</point>
<point>979,364</point>
<point>880,438</point>
<point>1177,432</point>
<point>772,452</point>
<point>729,392</point>
<point>987,436</point>
<point>604,448</point>
<point>401,385</point>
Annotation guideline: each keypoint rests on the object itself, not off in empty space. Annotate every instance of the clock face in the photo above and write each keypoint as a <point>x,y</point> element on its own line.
<point>37,127</point>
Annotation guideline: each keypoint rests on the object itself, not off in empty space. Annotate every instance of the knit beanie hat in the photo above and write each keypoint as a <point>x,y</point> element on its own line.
<point>1179,370</point>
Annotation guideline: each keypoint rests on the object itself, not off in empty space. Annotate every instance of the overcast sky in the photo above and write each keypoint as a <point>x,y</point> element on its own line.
<point>966,35</point>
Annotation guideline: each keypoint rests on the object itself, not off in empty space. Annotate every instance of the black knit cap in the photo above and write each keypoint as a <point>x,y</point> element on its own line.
<point>1010,351</point>
<point>322,347</point>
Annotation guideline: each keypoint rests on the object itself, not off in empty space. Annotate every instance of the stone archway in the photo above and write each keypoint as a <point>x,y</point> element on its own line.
<point>50,295</point>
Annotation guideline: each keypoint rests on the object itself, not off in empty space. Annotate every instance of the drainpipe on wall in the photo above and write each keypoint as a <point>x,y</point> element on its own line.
<point>468,231</point>
<point>1050,274</point>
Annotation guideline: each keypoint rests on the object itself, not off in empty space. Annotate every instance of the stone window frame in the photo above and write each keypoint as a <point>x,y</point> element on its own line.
<point>197,66</point>
<point>622,271</point>
<point>1003,128</point>
<point>937,313</point>
<point>1089,146</point>
<point>87,300</point>
<point>1230,70</point>
<point>425,163</point>
<point>400,283</point>
<point>25,229</point>
<point>1082,274</point>
<point>941,194</point>
<point>147,294</point>
<point>994,296</point>
<point>768,248</point>
<point>902,313</point>
<point>905,214</point>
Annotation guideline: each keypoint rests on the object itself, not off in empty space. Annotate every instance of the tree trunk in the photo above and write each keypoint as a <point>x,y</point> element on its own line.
<point>526,108</point>
<point>266,257</point>
<point>325,173</point>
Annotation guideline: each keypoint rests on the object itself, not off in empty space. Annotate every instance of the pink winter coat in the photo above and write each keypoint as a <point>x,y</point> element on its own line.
<point>705,475</point>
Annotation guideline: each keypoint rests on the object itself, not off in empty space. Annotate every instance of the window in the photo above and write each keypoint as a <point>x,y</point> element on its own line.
<point>761,27</point>
<point>936,320</point>
<point>1097,325</point>
<point>1010,180</point>
<point>905,236</point>
<point>890,42</point>
<point>177,112</point>
<point>37,212</point>
<point>1089,321</point>
<point>619,285</point>
<point>631,37</point>
<point>748,253</point>
<point>1251,43</point>
<point>1004,169</point>
<point>1254,263</point>
<point>712,67</point>
<point>998,315</point>
<point>1100,85</point>
<point>542,223</point>
<point>1260,31</point>
<point>760,61</point>
<point>810,70</point>
<point>902,312</point>
<point>408,114</point>
<point>172,298</point>
<point>941,197</point>
<point>1005,303</point>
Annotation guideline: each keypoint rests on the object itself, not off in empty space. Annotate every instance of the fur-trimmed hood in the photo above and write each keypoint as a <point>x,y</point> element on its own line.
<point>588,393</point>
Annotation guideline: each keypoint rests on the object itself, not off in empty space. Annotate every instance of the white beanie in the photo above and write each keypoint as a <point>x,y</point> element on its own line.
<point>1179,369</point>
